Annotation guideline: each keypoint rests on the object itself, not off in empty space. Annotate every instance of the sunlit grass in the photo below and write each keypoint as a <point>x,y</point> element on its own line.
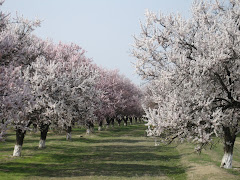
<point>114,153</point>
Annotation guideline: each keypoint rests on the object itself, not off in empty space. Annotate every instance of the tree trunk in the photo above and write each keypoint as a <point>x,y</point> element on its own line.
<point>100,126</point>
<point>44,130</point>
<point>125,119</point>
<point>136,121</point>
<point>88,131</point>
<point>229,141</point>
<point>34,128</point>
<point>19,142</point>
<point>69,135</point>
<point>119,121</point>
<point>108,120</point>
<point>90,128</point>
<point>112,121</point>
<point>130,119</point>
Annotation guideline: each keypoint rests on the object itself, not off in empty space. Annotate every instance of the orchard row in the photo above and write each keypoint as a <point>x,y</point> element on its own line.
<point>46,84</point>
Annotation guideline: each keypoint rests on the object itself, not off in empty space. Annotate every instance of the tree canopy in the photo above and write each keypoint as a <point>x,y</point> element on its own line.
<point>192,66</point>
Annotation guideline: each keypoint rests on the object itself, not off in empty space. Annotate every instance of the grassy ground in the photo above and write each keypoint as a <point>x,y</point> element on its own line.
<point>116,153</point>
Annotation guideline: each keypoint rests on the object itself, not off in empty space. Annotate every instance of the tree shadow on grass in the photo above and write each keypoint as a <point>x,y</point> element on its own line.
<point>90,169</point>
<point>93,157</point>
<point>111,160</point>
<point>87,140</point>
<point>123,131</point>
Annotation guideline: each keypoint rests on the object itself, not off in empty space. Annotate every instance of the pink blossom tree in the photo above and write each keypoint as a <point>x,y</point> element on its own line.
<point>111,97</point>
<point>119,97</point>
<point>131,99</point>
<point>133,96</point>
<point>193,66</point>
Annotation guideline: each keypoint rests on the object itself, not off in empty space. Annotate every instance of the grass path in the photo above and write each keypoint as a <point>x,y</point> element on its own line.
<point>116,153</point>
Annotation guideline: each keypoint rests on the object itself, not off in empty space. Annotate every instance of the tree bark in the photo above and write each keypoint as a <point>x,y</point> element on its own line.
<point>19,142</point>
<point>69,135</point>
<point>125,119</point>
<point>136,121</point>
<point>229,140</point>
<point>108,120</point>
<point>130,119</point>
<point>112,121</point>
<point>100,126</point>
<point>35,128</point>
<point>44,130</point>
<point>119,121</point>
<point>90,128</point>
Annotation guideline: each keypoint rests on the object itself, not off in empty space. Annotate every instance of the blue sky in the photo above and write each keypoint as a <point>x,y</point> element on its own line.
<point>104,28</point>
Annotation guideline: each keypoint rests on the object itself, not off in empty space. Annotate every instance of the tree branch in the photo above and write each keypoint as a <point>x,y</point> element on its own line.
<point>224,86</point>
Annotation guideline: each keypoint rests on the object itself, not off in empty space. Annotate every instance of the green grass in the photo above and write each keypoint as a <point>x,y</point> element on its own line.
<point>115,153</point>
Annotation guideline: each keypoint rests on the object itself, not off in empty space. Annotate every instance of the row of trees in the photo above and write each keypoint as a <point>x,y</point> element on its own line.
<point>193,72</point>
<point>43,84</point>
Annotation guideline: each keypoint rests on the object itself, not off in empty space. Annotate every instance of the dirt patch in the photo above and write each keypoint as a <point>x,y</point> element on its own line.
<point>209,172</point>
<point>203,171</point>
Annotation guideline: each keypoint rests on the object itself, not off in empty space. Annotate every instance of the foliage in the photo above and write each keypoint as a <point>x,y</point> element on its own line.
<point>117,153</point>
<point>63,87</point>
<point>43,83</point>
<point>18,48</point>
<point>193,67</point>
<point>120,97</point>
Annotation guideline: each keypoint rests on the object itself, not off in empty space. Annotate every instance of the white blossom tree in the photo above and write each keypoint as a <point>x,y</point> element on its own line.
<point>81,77</point>
<point>18,48</point>
<point>63,84</point>
<point>42,83</point>
<point>193,67</point>
<point>16,101</point>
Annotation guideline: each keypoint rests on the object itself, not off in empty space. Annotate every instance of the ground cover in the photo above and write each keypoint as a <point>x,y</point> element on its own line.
<point>114,153</point>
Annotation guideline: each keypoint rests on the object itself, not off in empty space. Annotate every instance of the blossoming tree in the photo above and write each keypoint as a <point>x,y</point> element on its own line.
<point>111,96</point>
<point>193,66</point>
<point>18,49</point>
<point>63,85</point>
<point>119,97</point>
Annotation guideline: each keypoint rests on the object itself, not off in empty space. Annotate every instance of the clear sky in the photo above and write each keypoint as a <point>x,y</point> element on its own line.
<point>104,28</point>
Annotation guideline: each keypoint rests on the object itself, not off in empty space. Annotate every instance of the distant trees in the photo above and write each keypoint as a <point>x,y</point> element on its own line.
<point>193,71</point>
<point>119,98</point>
<point>111,96</point>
